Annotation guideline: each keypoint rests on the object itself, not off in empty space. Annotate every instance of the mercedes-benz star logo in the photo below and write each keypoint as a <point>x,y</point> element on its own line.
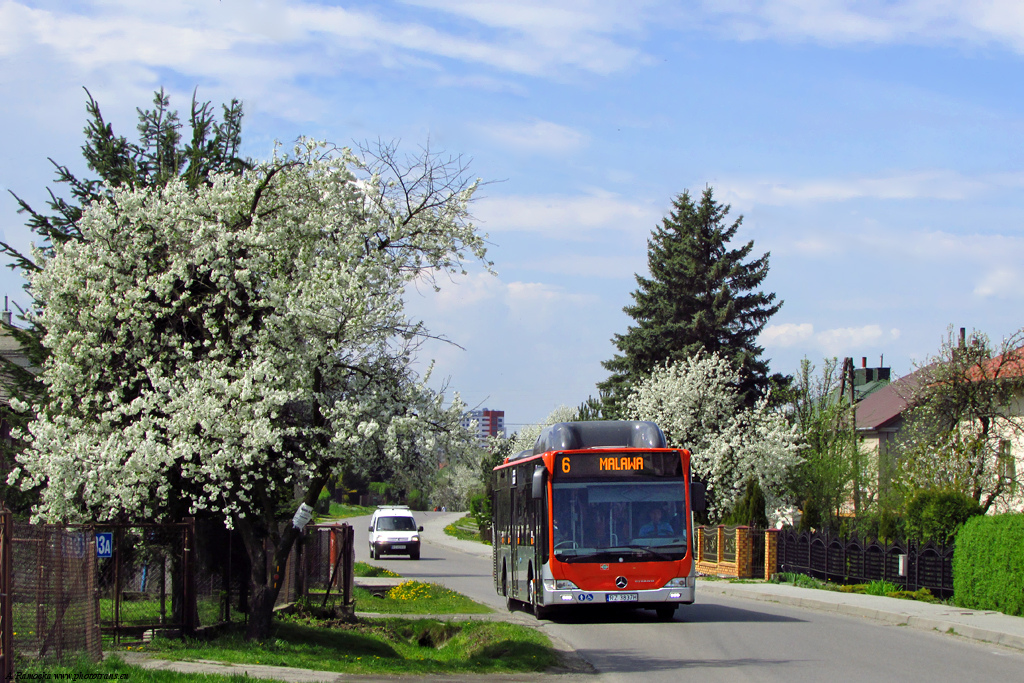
<point>620,581</point>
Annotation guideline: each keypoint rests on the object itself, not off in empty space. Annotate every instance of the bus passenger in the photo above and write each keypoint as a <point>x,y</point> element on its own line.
<point>656,527</point>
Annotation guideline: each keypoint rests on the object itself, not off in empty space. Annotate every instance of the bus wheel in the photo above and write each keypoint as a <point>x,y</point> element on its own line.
<point>665,612</point>
<point>539,610</point>
<point>510,604</point>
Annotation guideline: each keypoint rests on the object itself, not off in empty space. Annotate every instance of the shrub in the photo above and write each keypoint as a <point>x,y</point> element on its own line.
<point>480,508</point>
<point>936,514</point>
<point>749,509</point>
<point>416,500</point>
<point>881,588</point>
<point>323,502</point>
<point>988,564</point>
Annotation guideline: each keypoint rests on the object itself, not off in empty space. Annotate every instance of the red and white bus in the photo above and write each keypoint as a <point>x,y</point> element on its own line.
<point>596,513</point>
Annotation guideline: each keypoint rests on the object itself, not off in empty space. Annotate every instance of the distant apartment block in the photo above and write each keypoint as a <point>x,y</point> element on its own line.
<point>488,422</point>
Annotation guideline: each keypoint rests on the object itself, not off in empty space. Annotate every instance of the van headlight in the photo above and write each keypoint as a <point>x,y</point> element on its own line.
<point>559,585</point>
<point>415,538</point>
<point>680,582</point>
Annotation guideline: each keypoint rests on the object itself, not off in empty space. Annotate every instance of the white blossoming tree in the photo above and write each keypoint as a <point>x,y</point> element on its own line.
<point>698,405</point>
<point>226,349</point>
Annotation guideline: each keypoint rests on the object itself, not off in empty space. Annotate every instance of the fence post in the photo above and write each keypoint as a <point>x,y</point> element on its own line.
<point>189,607</point>
<point>348,569</point>
<point>744,553</point>
<point>6,612</point>
<point>93,637</point>
<point>698,552</point>
<point>721,543</point>
<point>771,553</point>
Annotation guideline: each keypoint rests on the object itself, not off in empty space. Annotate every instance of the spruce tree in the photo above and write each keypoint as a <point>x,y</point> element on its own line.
<point>158,156</point>
<point>701,295</point>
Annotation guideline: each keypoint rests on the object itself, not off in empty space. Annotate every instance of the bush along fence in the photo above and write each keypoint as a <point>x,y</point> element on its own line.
<point>908,564</point>
<point>989,564</point>
<point>744,552</point>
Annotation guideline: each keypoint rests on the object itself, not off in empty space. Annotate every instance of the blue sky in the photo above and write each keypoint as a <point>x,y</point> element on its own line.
<point>874,148</point>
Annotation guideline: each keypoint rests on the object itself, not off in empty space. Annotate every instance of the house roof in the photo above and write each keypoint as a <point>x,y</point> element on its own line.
<point>1005,366</point>
<point>889,402</point>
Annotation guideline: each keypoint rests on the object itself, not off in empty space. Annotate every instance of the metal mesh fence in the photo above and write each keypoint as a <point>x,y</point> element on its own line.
<point>53,577</point>
<point>170,578</point>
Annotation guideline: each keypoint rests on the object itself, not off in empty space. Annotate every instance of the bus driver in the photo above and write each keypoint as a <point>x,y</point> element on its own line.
<point>656,527</point>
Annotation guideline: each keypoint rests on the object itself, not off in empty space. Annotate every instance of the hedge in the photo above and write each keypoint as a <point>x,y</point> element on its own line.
<point>988,564</point>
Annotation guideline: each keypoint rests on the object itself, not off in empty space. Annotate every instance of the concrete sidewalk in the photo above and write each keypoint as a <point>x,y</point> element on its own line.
<point>293,675</point>
<point>985,626</point>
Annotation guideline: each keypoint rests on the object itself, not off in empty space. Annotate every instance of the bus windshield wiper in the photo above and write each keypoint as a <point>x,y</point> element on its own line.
<point>653,553</point>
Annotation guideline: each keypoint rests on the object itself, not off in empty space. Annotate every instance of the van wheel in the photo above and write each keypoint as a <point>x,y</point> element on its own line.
<point>376,553</point>
<point>415,555</point>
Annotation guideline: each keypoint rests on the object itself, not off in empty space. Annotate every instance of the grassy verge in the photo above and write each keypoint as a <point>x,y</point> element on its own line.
<point>370,570</point>
<point>883,588</point>
<point>414,597</point>
<point>113,669</point>
<point>465,529</point>
<point>342,511</point>
<point>377,646</point>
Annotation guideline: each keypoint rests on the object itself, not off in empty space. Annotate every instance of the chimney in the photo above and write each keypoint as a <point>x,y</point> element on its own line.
<point>863,361</point>
<point>963,337</point>
<point>6,313</point>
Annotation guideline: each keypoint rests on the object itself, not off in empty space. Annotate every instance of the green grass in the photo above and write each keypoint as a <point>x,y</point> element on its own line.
<point>882,588</point>
<point>465,529</point>
<point>369,570</point>
<point>343,511</point>
<point>117,669</point>
<point>378,646</point>
<point>413,597</point>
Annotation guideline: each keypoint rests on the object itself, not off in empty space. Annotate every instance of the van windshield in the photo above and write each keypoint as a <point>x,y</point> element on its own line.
<point>396,524</point>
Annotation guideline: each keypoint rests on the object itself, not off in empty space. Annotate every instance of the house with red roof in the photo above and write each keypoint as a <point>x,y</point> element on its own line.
<point>881,416</point>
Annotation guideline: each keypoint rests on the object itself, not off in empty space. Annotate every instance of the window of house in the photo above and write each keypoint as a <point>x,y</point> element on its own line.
<point>1007,464</point>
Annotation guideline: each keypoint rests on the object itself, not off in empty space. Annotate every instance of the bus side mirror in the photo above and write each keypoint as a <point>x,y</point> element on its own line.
<point>539,483</point>
<point>697,493</point>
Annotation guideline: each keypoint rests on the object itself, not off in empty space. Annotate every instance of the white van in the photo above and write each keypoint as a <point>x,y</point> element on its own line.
<point>393,531</point>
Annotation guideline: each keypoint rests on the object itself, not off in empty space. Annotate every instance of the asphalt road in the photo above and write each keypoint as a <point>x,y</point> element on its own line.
<point>720,638</point>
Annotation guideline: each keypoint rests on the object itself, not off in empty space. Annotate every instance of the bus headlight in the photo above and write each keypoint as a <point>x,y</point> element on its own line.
<point>559,585</point>
<point>680,582</point>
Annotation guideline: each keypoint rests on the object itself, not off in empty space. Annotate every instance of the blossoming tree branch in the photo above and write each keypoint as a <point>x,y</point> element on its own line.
<point>225,349</point>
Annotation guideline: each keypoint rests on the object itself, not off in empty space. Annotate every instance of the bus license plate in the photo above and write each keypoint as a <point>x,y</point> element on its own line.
<point>621,597</point>
<point>398,547</point>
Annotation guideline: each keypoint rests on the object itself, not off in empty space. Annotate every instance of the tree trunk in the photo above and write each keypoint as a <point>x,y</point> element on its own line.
<point>264,585</point>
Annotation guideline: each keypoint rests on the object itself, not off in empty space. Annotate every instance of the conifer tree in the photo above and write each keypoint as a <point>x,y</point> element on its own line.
<point>159,156</point>
<point>702,295</point>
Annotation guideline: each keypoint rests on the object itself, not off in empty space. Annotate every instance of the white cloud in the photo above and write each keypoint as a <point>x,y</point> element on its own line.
<point>940,184</point>
<point>563,216</point>
<point>831,22</point>
<point>1000,283</point>
<point>537,136</point>
<point>786,334</point>
<point>839,341</point>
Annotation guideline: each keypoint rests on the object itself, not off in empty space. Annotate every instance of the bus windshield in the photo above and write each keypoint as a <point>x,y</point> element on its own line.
<point>643,519</point>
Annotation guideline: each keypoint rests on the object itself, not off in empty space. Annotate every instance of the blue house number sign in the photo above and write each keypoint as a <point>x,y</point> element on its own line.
<point>105,544</point>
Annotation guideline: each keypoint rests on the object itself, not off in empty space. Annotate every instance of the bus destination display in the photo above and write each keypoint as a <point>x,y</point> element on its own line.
<point>617,465</point>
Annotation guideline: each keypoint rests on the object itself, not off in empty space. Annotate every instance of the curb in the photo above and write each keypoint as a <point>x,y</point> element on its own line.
<point>893,618</point>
